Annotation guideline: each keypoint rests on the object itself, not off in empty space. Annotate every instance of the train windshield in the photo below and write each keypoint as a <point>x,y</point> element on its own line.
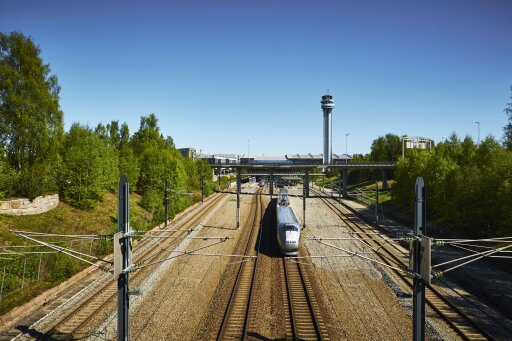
<point>289,227</point>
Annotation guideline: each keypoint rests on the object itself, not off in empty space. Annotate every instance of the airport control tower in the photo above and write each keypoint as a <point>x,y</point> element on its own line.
<point>327,106</point>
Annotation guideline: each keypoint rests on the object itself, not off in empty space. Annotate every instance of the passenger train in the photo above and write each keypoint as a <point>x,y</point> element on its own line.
<point>288,227</point>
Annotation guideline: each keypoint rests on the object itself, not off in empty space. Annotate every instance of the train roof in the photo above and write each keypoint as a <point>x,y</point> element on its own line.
<point>286,215</point>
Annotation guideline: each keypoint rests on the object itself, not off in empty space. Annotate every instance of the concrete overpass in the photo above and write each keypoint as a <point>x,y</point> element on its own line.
<point>272,170</point>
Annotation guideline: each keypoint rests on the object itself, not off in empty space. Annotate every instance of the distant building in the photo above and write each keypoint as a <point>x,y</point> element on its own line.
<point>265,160</point>
<point>289,159</point>
<point>219,159</point>
<point>189,153</point>
<point>317,159</point>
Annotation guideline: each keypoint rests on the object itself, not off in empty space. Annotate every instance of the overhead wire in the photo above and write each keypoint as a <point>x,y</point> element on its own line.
<point>71,253</point>
<point>475,256</point>
<point>367,258</point>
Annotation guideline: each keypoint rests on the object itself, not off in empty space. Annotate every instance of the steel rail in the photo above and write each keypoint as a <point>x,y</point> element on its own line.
<point>227,321</point>
<point>294,296</point>
<point>153,250</point>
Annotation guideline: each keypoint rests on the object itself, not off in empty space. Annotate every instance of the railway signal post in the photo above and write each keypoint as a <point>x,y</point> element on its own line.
<point>377,204</point>
<point>418,313</point>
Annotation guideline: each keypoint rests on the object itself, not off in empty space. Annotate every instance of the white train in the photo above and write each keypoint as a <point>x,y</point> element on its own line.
<point>288,227</point>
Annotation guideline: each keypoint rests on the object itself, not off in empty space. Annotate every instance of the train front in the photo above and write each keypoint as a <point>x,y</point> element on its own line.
<point>288,231</point>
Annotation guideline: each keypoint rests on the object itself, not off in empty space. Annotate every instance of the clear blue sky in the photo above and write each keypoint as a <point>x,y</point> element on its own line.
<point>217,73</point>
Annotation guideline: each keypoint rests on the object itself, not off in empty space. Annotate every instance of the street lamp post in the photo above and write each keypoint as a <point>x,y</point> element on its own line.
<point>478,139</point>
<point>346,147</point>
<point>248,154</point>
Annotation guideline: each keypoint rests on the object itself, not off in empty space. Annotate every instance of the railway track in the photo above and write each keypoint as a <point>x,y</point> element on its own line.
<point>302,320</point>
<point>236,317</point>
<point>302,305</point>
<point>101,296</point>
<point>389,252</point>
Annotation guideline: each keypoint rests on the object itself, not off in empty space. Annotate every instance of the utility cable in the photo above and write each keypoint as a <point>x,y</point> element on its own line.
<point>140,264</point>
<point>71,253</point>
<point>364,257</point>
<point>78,236</point>
<point>479,256</point>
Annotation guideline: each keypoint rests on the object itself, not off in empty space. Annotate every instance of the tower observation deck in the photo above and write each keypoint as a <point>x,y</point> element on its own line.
<point>327,107</point>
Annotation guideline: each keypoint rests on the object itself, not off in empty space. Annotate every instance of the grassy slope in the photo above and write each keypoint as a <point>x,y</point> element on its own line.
<point>64,219</point>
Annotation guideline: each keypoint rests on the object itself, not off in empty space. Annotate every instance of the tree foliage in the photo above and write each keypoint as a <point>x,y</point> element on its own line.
<point>507,138</point>
<point>386,148</point>
<point>31,122</point>
<point>89,169</point>
<point>468,185</point>
<point>159,161</point>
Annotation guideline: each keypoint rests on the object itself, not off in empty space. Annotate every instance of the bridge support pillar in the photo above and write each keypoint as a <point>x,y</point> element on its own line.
<point>384,180</point>
<point>345,191</point>
<point>218,178</point>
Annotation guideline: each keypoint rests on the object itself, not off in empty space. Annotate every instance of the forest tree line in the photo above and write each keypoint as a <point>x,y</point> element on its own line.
<point>37,155</point>
<point>469,185</point>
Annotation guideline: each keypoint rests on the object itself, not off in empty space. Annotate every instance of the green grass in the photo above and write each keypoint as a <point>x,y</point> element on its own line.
<point>55,268</point>
<point>369,188</point>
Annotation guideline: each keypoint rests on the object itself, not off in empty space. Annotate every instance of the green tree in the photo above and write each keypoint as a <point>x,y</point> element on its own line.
<point>102,132</point>
<point>89,168</point>
<point>148,135</point>
<point>115,134</point>
<point>7,177</point>
<point>31,122</point>
<point>386,148</point>
<point>507,138</point>
<point>124,135</point>
<point>129,166</point>
<point>468,185</point>
<point>159,165</point>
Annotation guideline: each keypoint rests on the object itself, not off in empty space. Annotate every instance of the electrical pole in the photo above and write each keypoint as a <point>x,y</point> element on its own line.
<point>418,313</point>
<point>166,201</point>
<point>346,147</point>
<point>339,187</point>
<point>238,185</point>
<point>123,238</point>
<point>377,204</point>
<point>304,204</point>
<point>202,187</point>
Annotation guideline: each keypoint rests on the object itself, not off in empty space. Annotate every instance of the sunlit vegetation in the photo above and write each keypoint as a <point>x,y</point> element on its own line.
<point>83,165</point>
<point>469,186</point>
